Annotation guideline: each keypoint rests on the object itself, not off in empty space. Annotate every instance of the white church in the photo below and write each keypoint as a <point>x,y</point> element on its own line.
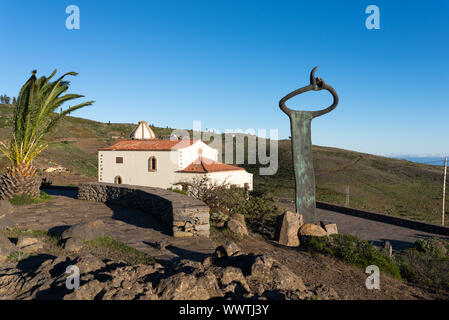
<point>145,160</point>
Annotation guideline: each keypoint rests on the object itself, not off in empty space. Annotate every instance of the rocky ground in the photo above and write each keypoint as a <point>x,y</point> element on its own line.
<point>228,274</point>
<point>347,281</point>
<point>244,265</point>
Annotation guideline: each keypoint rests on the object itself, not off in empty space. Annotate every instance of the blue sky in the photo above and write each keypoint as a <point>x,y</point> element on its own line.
<point>227,63</point>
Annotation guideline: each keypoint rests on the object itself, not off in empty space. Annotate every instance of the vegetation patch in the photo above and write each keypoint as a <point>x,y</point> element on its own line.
<point>44,235</point>
<point>179,191</point>
<point>258,207</point>
<point>107,247</point>
<point>25,199</point>
<point>426,265</point>
<point>353,251</point>
<point>17,256</point>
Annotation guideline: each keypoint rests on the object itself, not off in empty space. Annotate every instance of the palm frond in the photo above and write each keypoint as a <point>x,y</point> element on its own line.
<point>34,115</point>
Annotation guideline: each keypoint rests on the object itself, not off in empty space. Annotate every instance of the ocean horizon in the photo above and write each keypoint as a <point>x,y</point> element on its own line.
<point>437,161</point>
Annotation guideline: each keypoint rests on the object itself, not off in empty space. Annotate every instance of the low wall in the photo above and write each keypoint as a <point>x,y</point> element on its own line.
<point>185,215</point>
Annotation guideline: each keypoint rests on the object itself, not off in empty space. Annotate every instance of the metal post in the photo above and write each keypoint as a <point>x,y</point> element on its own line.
<point>347,196</point>
<point>444,193</point>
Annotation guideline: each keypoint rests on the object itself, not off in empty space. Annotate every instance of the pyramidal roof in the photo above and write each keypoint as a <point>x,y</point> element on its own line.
<point>143,132</point>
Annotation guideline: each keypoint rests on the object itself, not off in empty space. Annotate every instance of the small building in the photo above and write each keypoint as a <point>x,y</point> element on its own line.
<point>145,160</point>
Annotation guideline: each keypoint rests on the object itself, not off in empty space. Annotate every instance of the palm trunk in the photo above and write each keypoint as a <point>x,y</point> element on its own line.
<point>18,180</point>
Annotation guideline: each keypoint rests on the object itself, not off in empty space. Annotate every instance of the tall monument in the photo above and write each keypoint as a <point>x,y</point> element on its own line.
<point>300,124</point>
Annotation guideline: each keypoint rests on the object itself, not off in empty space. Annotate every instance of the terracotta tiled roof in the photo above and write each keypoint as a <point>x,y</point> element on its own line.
<point>205,165</point>
<point>149,145</point>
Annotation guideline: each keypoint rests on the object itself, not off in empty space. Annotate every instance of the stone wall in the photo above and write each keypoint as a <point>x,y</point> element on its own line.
<point>185,215</point>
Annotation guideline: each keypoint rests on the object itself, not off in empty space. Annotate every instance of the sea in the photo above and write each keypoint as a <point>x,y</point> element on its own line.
<point>437,161</point>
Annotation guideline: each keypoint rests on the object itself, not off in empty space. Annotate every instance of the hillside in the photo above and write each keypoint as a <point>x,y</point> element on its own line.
<point>381,184</point>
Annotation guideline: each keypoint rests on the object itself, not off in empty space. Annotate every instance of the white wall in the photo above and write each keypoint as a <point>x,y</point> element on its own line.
<point>134,169</point>
<point>191,153</point>
<point>237,177</point>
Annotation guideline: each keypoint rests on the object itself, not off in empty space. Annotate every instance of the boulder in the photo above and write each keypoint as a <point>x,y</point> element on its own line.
<point>207,262</point>
<point>237,225</point>
<point>6,221</point>
<point>274,276</point>
<point>74,244</point>
<point>77,234</point>
<point>312,230</point>
<point>261,267</point>
<point>231,275</point>
<point>5,207</point>
<point>88,263</point>
<point>6,248</point>
<point>29,244</point>
<point>289,226</point>
<point>182,286</point>
<point>331,228</point>
<point>161,245</point>
<point>227,250</point>
<point>85,231</point>
<point>239,217</point>
<point>87,291</point>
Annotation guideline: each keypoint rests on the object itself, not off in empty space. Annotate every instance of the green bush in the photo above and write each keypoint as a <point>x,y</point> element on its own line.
<point>354,251</point>
<point>258,208</point>
<point>435,247</point>
<point>261,214</point>
<point>218,216</point>
<point>426,265</point>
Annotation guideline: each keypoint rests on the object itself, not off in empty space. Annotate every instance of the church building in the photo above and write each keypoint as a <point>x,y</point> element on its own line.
<point>145,160</point>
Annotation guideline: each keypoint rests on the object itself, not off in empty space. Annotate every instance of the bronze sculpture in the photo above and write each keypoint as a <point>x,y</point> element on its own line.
<point>300,125</point>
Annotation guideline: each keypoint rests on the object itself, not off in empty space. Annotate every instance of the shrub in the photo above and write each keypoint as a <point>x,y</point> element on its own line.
<point>258,208</point>
<point>262,214</point>
<point>354,251</point>
<point>426,265</point>
<point>435,247</point>
<point>218,216</point>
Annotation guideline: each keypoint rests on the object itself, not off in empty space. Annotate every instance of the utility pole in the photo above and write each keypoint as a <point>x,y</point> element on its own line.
<point>347,196</point>
<point>444,192</point>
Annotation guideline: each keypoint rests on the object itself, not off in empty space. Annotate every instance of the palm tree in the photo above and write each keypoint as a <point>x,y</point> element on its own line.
<point>34,116</point>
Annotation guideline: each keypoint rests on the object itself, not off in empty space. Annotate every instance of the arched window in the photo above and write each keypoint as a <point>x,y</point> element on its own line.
<point>152,164</point>
<point>118,180</point>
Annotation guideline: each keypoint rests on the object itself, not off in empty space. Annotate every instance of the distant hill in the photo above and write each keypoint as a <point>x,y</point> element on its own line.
<point>381,184</point>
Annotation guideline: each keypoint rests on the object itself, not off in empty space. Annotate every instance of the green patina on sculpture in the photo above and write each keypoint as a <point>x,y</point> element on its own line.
<point>300,124</point>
